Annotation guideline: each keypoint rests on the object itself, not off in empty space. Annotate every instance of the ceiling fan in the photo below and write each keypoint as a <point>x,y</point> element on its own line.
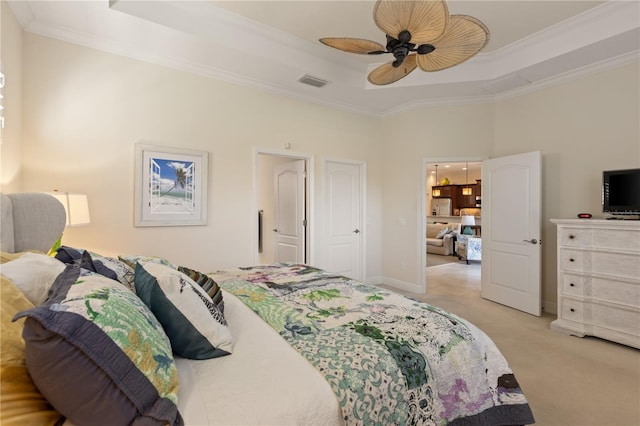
<point>419,34</point>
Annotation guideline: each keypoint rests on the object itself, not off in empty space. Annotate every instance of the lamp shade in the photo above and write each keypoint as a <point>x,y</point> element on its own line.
<point>76,206</point>
<point>468,221</point>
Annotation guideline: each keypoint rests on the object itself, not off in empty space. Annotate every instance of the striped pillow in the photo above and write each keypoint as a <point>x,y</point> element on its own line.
<point>208,285</point>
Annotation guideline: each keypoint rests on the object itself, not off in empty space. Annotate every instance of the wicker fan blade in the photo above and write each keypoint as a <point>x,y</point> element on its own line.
<point>353,45</point>
<point>425,20</point>
<point>387,73</point>
<point>465,36</point>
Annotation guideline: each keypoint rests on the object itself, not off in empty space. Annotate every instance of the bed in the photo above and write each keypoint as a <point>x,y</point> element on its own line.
<point>285,344</point>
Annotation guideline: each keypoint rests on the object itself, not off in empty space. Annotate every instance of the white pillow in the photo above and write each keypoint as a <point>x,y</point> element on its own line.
<point>442,232</point>
<point>194,324</point>
<point>33,274</point>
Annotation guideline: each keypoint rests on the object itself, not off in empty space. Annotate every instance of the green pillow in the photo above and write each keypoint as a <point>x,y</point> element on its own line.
<point>98,354</point>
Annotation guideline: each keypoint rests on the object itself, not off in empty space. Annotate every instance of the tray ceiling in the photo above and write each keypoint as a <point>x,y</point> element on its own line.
<point>271,45</point>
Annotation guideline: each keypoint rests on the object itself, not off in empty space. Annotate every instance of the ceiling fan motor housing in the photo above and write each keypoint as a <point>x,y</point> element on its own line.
<point>400,53</point>
<point>400,47</point>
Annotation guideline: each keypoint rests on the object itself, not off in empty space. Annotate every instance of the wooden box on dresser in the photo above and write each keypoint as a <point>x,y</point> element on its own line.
<point>599,279</point>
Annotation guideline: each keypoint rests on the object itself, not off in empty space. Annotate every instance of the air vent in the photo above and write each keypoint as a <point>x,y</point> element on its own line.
<point>312,81</point>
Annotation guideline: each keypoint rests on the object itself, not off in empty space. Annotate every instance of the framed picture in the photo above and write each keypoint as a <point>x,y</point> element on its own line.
<point>170,186</point>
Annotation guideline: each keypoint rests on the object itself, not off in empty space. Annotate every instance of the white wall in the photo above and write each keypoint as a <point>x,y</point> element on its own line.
<point>85,109</point>
<point>581,128</point>
<point>11,67</point>
<point>449,132</point>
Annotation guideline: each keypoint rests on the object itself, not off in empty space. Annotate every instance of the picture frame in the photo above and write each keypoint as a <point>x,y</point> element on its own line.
<point>170,186</point>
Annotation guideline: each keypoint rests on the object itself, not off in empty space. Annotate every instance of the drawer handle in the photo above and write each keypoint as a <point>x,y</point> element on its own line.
<point>572,260</point>
<point>572,285</point>
<point>572,310</point>
<point>571,237</point>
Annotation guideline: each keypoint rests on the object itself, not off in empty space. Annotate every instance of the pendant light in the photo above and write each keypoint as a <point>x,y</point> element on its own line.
<point>467,190</point>
<point>436,192</point>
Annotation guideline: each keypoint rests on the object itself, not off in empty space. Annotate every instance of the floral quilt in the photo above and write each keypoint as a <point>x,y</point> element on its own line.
<point>388,358</point>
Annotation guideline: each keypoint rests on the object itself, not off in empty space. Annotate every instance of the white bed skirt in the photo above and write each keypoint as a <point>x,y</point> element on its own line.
<point>263,382</point>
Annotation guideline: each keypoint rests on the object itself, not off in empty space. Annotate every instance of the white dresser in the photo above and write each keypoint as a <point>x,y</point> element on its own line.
<point>599,279</point>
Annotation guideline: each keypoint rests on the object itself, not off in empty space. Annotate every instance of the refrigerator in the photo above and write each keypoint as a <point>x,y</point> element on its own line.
<point>441,206</point>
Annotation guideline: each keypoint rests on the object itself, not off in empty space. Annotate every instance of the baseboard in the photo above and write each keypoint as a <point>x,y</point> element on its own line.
<point>402,285</point>
<point>374,280</point>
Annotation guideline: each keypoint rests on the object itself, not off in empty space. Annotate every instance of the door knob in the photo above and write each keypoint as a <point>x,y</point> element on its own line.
<point>357,231</point>
<point>532,241</point>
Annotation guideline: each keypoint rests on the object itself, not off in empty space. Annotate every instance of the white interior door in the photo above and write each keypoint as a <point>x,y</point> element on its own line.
<point>344,198</point>
<point>511,231</point>
<point>290,217</point>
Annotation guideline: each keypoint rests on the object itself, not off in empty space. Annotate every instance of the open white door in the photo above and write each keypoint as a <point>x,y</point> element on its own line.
<point>511,231</point>
<point>344,198</point>
<point>290,217</point>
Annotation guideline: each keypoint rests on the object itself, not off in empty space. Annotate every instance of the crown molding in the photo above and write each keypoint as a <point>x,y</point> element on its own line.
<point>586,71</point>
<point>604,21</point>
<point>438,103</point>
<point>192,50</point>
<point>23,13</point>
<point>618,62</point>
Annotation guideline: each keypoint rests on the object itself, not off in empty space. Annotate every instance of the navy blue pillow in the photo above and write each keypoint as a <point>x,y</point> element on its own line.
<point>82,258</point>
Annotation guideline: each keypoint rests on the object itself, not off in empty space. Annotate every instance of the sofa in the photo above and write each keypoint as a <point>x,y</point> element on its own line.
<point>440,237</point>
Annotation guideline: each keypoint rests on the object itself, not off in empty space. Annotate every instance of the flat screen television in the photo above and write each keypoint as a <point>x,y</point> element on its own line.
<point>621,192</point>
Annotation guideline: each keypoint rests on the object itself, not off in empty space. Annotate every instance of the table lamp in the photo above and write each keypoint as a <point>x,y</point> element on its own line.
<point>467,222</point>
<point>76,206</point>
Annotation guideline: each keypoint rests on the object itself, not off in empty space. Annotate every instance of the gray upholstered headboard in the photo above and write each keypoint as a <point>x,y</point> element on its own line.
<point>30,221</point>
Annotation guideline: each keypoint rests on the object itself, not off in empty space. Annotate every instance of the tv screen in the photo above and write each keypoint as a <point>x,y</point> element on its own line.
<point>621,191</point>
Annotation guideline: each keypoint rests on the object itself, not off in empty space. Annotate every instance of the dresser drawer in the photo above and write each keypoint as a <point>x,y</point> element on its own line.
<point>625,293</point>
<point>622,265</point>
<point>572,260</point>
<point>572,310</point>
<point>613,239</point>
<point>614,264</point>
<point>574,285</point>
<point>617,239</point>
<point>574,237</point>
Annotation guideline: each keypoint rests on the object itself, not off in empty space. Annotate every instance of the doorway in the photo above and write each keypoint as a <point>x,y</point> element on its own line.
<point>450,186</point>
<point>283,205</point>
<point>511,252</point>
